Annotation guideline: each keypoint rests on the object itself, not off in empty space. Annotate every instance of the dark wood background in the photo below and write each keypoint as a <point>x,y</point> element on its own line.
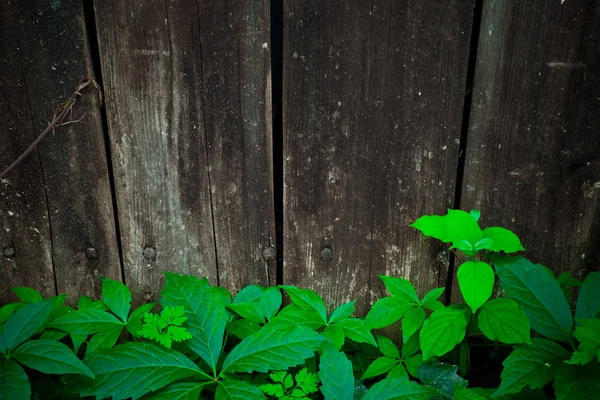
<point>293,141</point>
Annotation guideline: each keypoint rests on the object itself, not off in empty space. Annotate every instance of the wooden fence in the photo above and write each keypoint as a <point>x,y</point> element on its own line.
<point>293,141</point>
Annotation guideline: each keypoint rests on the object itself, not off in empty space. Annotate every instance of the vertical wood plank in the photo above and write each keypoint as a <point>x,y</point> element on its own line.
<point>373,100</point>
<point>532,157</point>
<point>75,185</point>
<point>189,123</point>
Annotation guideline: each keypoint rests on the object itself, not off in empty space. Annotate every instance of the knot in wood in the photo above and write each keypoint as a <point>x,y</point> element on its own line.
<point>326,253</point>
<point>8,251</point>
<point>149,253</point>
<point>269,253</point>
<point>92,254</point>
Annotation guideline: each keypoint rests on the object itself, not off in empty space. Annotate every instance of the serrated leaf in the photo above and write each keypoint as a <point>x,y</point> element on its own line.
<point>272,389</point>
<point>476,281</point>
<point>413,363</point>
<point>534,365</point>
<point>307,381</point>
<point>398,389</point>
<point>86,302</point>
<point>443,330</point>
<point>380,366</point>
<point>252,311</point>
<point>230,389</point>
<point>50,357</point>
<point>293,314</point>
<point>205,312</point>
<point>588,302</point>
<point>386,311</point>
<point>503,320</point>
<point>401,288</point>
<point>273,348</point>
<point>308,300</point>
<point>538,293</point>
<point>441,376</point>
<point>357,330</point>
<point>179,391</point>
<point>14,384</point>
<point>342,312</point>
<point>28,320</point>
<point>588,335</point>
<point>134,369</point>
<point>27,295</point>
<point>270,301</point>
<point>399,371</point>
<point>117,297</point>
<point>335,372</point>
<point>335,334</point>
<point>412,321</point>
<point>502,240</point>
<point>248,294</point>
<point>411,346</point>
<point>86,322</point>
<point>134,324</point>
<point>432,295</point>
<point>242,328</point>
<point>387,347</point>
<point>103,340</point>
<point>433,226</point>
<point>575,382</point>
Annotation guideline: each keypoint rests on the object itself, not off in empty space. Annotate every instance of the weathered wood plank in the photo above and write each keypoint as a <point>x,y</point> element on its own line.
<point>189,126</point>
<point>532,159</point>
<point>53,55</point>
<point>373,102</point>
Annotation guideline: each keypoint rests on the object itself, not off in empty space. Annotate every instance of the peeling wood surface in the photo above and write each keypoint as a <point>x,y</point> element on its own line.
<point>532,162</point>
<point>373,98</point>
<point>189,114</point>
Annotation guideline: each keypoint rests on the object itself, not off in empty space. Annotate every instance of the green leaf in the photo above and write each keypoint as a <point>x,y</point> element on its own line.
<point>588,302</point>
<point>25,322</point>
<point>475,214</point>
<point>398,372</point>
<point>443,330</point>
<point>205,312</point>
<point>237,390</point>
<point>476,281</point>
<point>134,369</point>
<point>252,311</point>
<point>380,366</point>
<point>386,311</point>
<point>50,357</point>
<point>387,347</point>
<point>399,389</point>
<point>401,288</point>
<point>27,295</point>
<point>357,330</point>
<point>534,365</point>
<point>270,301</point>
<point>575,382</point>
<point>484,244</point>
<point>134,324</point>
<point>342,312</point>
<point>179,391</point>
<point>463,393</point>
<point>77,342</point>
<point>248,294</point>
<point>462,226</point>
<point>441,376</point>
<point>52,334</point>
<point>588,335</point>
<point>273,348</point>
<point>413,363</point>
<point>308,300</point>
<point>335,371</point>
<point>86,322</point>
<point>412,321</point>
<point>86,302</point>
<point>538,293</point>
<point>273,389</point>
<point>242,328</point>
<point>14,384</point>
<point>117,297</point>
<point>103,340</point>
<point>432,296</point>
<point>433,226</point>
<point>336,334</point>
<point>293,314</point>
<point>307,381</point>
<point>411,346</point>
<point>502,240</point>
<point>8,309</point>
<point>503,320</point>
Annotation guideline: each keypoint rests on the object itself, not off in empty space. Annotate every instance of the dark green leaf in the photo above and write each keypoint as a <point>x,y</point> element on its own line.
<point>252,311</point>
<point>8,309</point>
<point>441,376</point>
<point>77,342</point>
<point>237,390</point>
<point>335,334</point>
<point>412,321</point>
<point>117,297</point>
<point>308,300</point>
<point>270,301</point>
<point>400,288</point>
<point>588,302</point>
<point>463,393</point>
<point>503,320</point>
<point>565,279</point>
<point>432,296</point>
<point>27,295</point>
<point>588,335</point>
<point>502,240</point>
<point>476,281</point>
<point>52,334</point>
<point>575,382</point>
<point>380,366</point>
<point>411,346</point>
<point>387,347</point>
<point>335,371</point>
<point>178,391</point>
<point>249,293</point>
<point>86,322</point>
<point>357,330</point>
<point>242,328</point>
<point>433,226</point>
<point>293,314</point>
<point>443,330</point>
<point>343,311</point>
<point>134,324</point>
<point>413,363</point>
<point>398,372</point>
<point>14,384</point>
<point>25,322</point>
<point>386,311</point>
<point>103,340</point>
<point>50,357</point>
<point>399,389</point>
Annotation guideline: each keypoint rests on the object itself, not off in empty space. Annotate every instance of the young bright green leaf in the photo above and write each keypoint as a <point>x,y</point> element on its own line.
<point>534,365</point>
<point>433,226</point>
<point>343,311</point>
<point>465,246</point>
<point>432,296</point>
<point>442,377</point>
<point>357,330</point>
<point>50,357</point>
<point>117,297</point>
<point>399,389</point>
<point>249,293</point>
<point>242,328</point>
<point>400,288</point>
<point>270,301</point>
<point>398,372</point>
<point>484,244</point>
<point>538,293</point>
<point>252,311</point>
<point>387,347</point>
<point>412,321</point>
<point>14,383</point>
<point>462,226</point>
<point>335,334</point>
<point>205,312</point>
<point>386,311</point>
<point>134,369</point>
<point>8,309</point>
<point>413,363</point>
<point>380,366</point>
<point>504,321</point>
<point>179,391</point>
<point>230,389</point>
<point>337,379</point>
<point>86,322</point>
<point>103,340</point>
<point>588,302</point>
<point>443,330</point>
<point>307,382</point>
<point>308,300</point>
<point>502,240</point>
<point>475,214</point>
<point>134,324</point>
<point>574,382</point>
<point>276,347</point>
<point>273,389</point>
<point>25,322</point>
<point>27,295</point>
<point>293,314</point>
<point>476,281</point>
<point>588,335</point>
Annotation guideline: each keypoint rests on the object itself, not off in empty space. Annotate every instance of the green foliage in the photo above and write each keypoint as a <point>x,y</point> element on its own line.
<point>285,386</point>
<point>335,372</point>
<point>588,335</point>
<point>165,328</point>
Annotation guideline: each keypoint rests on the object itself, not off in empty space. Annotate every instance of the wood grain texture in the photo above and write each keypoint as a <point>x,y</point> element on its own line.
<point>373,97</point>
<point>533,161</point>
<point>188,118</point>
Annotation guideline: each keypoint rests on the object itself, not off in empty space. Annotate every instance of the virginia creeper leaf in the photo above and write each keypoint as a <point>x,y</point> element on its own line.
<point>357,330</point>
<point>293,314</point>
<point>335,371</point>
<point>308,300</point>
<point>249,293</point>
<point>443,330</point>
<point>400,288</point>
<point>86,322</point>
<point>398,389</point>
<point>50,357</point>
<point>380,366</point>
<point>386,311</point>
<point>335,334</point>
<point>387,347</point>
<point>117,297</point>
<point>27,295</point>
<point>343,311</point>
<point>270,301</point>
<point>14,384</point>
<point>412,321</point>
<point>179,391</point>
<point>26,321</point>
<point>230,389</point>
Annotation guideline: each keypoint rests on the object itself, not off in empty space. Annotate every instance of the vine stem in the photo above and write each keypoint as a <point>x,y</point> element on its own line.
<point>57,121</point>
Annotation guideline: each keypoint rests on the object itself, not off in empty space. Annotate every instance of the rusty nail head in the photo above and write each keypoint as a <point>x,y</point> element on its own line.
<point>149,253</point>
<point>326,254</point>
<point>269,253</point>
<point>91,253</point>
<point>8,251</point>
